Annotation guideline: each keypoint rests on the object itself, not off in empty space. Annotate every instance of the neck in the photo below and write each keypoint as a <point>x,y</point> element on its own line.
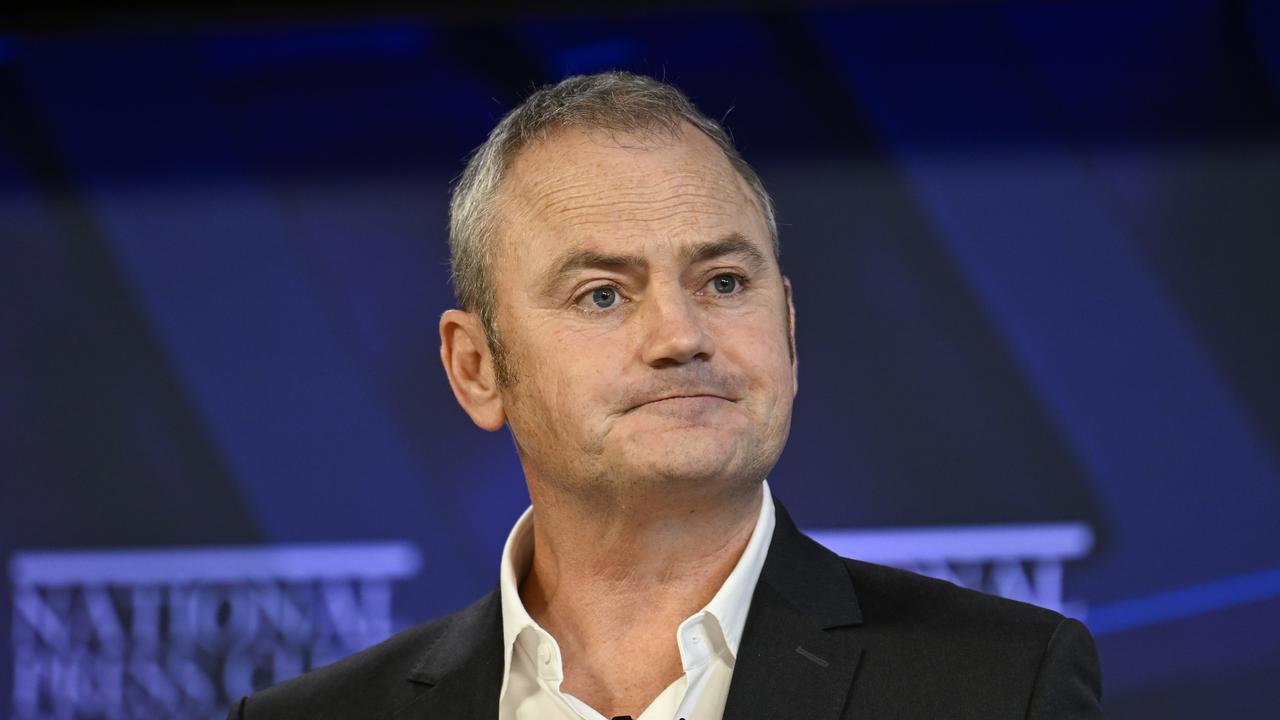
<point>655,548</point>
<point>610,585</point>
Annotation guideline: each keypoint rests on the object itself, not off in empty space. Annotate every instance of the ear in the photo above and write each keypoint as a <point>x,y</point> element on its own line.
<point>464,351</point>
<point>791,330</point>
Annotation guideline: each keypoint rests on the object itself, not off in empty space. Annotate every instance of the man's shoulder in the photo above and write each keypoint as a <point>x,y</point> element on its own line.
<point>912,612</point>
<point>374,682</point>
<point>921,621</point>
<point>919,647</point>
<point>892,596</point>
<point>948,647</point>
<point>902,611</point>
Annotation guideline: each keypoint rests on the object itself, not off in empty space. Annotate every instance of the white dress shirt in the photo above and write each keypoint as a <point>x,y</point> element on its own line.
<point>708,640</point>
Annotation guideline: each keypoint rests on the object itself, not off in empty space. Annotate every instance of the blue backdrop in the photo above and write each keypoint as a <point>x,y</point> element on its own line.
<point>1033,247</point>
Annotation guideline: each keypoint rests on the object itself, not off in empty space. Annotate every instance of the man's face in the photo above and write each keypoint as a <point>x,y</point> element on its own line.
<point>644,316</point>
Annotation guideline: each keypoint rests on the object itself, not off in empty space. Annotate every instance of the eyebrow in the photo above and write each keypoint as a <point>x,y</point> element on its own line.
<point>731,244</point>
<point>575,260</point>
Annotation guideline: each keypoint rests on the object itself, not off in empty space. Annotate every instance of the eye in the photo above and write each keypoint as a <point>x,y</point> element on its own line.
<point>725,284</point>
<point>604,297</point>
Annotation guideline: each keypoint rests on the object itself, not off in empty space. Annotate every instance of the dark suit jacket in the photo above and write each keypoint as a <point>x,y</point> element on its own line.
<point>826,638</point>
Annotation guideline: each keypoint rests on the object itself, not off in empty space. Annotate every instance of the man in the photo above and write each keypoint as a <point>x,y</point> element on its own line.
<point>625,315</point>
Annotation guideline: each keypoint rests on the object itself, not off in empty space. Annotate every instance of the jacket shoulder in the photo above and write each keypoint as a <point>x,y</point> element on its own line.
<point>948,647</point>
<point>901,597</point>
<point>374,682</point>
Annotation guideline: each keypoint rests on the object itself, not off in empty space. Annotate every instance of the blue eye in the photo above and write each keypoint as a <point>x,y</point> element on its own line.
<point>604,297</point>
<point>725,284</point>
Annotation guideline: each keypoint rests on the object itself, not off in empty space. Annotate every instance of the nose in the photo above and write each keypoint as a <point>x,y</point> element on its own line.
<point>675,331</point>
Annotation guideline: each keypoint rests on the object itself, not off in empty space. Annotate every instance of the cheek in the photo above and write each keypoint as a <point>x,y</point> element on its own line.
<point>760,346</point>
<point>597,349</point>
<point>565,373</point>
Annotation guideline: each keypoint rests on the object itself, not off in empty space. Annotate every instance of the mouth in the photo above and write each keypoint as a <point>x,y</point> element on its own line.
<point>681,398</point>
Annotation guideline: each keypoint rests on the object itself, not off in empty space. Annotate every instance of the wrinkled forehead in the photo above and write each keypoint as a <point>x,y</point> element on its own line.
<point>578,185</point>
<point>619,161</point>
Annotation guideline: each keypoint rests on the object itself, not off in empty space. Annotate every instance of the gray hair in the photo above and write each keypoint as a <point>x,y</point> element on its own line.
<point>619,102</point>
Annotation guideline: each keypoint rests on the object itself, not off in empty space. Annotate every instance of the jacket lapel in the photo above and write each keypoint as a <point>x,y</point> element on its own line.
<point>460,675</point>
<point>798,655</point>
<point>800,649</point>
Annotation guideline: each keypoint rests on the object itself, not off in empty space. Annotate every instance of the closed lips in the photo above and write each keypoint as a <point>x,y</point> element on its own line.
<point>682,396</point>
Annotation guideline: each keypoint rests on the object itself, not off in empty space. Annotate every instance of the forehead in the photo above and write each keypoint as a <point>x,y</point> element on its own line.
<point>579,187</point>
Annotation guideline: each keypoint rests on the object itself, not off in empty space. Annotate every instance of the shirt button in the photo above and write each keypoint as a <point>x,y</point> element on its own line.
<point>544,654</point>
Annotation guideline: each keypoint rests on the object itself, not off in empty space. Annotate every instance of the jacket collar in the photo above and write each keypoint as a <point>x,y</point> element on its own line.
<point>797,656</point>
<point>461,671</point>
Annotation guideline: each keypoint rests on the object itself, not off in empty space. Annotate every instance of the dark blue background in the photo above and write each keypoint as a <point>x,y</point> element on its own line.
<point>1033,247</point>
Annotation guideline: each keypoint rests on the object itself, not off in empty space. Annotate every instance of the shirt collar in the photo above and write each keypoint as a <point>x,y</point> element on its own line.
<point>728,607</point>
<point>517,555</point>
<point>730,604</point>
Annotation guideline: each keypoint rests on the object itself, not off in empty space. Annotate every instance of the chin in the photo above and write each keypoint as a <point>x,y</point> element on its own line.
<point>701,459</point>
<point>727,450</point>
